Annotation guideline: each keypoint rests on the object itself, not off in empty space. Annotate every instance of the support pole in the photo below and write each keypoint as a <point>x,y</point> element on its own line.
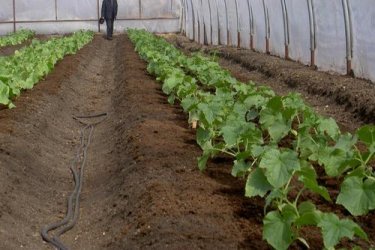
<point>14,16</point>
<point>98,13</point>
<point>312,32</point>
<point>227,23</point>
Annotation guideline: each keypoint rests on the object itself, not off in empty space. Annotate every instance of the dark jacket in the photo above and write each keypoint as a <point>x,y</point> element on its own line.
<point>109,10</point>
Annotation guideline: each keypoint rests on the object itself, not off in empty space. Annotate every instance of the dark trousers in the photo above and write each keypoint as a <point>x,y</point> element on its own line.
<point>109,27</point>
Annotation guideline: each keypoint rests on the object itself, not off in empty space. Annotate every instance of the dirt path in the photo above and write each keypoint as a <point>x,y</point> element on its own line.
<point>142,188</point>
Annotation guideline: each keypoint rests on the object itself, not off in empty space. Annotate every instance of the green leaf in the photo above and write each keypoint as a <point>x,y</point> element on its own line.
<point>188,102</point>
<point>277,231</point>
<point>172,82</point>
<point>279,166</point>
<point>171,99</point>
<point>203,136</point>
<point>231,134</point>
<point>206,113</point>
<point>367,135</point>
<point>239,168</point>
<point>202,161</point>
<point>329,126</point>
<point>309,216</point>
<point>334,160</point>
<point>4,93</point>
<point>257,184</point>
<point>357,196</point>
<point>334,229</point>
<point>307,176</point>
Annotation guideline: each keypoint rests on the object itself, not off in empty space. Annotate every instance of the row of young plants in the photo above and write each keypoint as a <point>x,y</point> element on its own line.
<point>29,65</point>
<point>15,38</point>
<point>276,142</point>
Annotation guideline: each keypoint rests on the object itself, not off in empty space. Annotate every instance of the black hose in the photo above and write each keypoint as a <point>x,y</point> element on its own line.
<point>72,213</point>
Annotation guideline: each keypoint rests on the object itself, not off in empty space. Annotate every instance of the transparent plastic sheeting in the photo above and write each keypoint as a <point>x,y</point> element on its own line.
<point>363,17</point>
<point>335,35</point>
<point>6,10</point>
<point>62,16</point>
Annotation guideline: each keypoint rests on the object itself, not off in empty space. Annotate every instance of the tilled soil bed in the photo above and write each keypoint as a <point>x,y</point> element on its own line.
<point>349,100</point>
<point>142,188</point>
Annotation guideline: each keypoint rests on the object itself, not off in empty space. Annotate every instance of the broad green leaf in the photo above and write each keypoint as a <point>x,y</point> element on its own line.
<point>294,101</point>
<point>255,100</point>
<point>257,184</point>
<point>171,83</point>
<point>309,216</point>
<point>277,231</point>
<point>231,134</point>
<point>279,129</point>
<point>329,126</point>
<point>357,195</point>
<point>275,194</point>
<point>307,176</point>
<point>202,161</point>
<point>171,99</point>
<point>203,136</point>
<point>279,166</point>
<point>240,167</point>
<point>206,113</point>
<point>367,135</point>
<point>334,229</point>
<point>188,102</point>
<point>333,160</point>
<point>4,94</point>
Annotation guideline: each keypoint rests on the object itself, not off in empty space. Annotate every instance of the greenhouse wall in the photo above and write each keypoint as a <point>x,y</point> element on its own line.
<point>63,16</point>
<point>335,35</point>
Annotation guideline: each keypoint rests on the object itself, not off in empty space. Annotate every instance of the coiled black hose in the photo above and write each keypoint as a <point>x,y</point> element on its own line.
<point>72,213</point>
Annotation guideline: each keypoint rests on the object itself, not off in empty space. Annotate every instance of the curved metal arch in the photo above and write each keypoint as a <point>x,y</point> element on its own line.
<point>209,7</point>
<point>251,24</point>
<point>218,23</point>
<point>227,22</point>
<point>238,25</point>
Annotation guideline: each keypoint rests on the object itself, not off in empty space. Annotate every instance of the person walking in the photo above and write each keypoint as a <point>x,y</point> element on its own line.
<point>109,13</point>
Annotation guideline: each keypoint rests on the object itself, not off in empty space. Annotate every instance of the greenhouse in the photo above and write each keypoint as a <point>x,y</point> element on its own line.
<point>187,124</point>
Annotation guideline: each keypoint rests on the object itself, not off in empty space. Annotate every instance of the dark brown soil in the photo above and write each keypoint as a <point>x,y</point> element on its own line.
<point>349,100</point>
<point>142,189</point>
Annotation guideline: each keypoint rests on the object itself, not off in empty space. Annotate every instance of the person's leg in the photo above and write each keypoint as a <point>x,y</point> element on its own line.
<point>109,27</point>
<point>112,24</point>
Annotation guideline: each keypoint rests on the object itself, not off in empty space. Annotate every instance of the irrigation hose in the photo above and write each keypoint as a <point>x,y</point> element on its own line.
<point>73,202</point>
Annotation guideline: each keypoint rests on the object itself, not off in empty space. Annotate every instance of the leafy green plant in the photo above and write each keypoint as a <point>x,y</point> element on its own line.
<point>16,38</point>
<point>275,142</point>
<point>29,65</point>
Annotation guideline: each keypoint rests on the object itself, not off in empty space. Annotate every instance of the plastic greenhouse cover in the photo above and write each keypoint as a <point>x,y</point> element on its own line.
<point>244,22</point>
<point>214,22</point>
<point>157,8</point>
<point>206,20</point>
<point>299,31</point>
<point>260,25</point>
<point>330,32</point>
<point>6,10</point>
<point>35,10</point>
<point>221,10</point>
<point>165,25</point>
<point>277,35</point>
<point>50,16</point>
<point>127,9</point>
<point>82,9</point>
<point>6,28</point>
<point>363,18</point>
